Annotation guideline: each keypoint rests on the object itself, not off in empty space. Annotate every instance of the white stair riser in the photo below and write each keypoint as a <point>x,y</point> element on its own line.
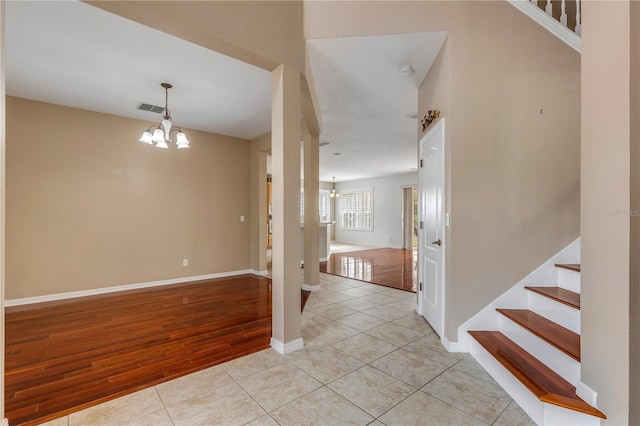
<point>569,280</point>
<point>540,412</point>
<point>554,415</point>
<point>552,357</point>
<point>557,312</point>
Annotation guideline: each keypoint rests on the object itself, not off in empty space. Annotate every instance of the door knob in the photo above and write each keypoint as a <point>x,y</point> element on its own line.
<point>437,242</point>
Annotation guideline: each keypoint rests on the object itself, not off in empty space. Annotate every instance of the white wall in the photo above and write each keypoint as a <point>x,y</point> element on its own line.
<point>387,210</point>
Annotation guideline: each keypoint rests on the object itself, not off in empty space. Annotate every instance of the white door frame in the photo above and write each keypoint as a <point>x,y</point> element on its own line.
<point>438,126</point>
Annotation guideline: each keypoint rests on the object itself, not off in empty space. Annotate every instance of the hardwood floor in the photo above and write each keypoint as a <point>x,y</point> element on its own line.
<point>389,267</point>
<point>67,355</point>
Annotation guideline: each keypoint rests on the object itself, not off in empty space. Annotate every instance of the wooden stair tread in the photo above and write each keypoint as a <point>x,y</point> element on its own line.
<point>565,340</point>
<point>542,381</point>
<point>558,294</point>
<point>569,266</point>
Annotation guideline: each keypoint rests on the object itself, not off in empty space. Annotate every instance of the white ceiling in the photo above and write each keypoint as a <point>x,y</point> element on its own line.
<point>74,54</point>
<point>70,53</point>
<point>365,101</point>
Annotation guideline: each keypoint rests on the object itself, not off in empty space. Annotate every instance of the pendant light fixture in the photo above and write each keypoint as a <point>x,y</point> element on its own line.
<point>162,133</point>
<point>334,193</point>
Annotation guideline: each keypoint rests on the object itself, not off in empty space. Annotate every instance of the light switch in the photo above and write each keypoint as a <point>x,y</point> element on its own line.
<point>241,218</point>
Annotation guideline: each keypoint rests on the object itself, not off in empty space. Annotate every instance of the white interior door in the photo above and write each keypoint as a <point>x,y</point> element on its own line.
<point>431,234</point>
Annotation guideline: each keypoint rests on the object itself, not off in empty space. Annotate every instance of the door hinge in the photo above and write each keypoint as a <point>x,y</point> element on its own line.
<point>420,286</point>
<point>421,223</point>
<point>421,163</point>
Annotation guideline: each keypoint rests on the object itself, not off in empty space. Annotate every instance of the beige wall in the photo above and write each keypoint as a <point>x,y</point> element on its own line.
<point>514,174</point>
<point>605,207</point>
<point>2,202</point>
<point>88,206</point>
<point>260,148</point>
<point>634,261</point>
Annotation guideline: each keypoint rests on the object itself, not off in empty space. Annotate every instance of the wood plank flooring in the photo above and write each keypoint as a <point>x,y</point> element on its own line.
<point>67,355</point>
<point>386,266</point>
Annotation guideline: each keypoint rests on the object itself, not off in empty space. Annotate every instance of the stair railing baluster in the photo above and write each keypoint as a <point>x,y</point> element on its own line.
<point>578,29</point>
<point>563,15</point>
<point>549,8</point>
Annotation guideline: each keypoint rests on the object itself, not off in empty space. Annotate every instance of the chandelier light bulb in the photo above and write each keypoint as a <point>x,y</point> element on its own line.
<point>182,141</point>
<point>158,136</point>
<point>146,138</point>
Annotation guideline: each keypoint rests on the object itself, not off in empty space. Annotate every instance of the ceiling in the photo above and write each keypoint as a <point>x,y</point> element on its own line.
<point>73,54</point>
<point>365,101</point>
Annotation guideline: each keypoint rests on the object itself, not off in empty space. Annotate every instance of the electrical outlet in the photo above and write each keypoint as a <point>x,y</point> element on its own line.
<point>241,218</point>
<point>185,262</point>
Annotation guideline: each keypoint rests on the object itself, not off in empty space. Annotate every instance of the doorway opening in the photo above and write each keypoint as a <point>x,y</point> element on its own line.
<point>410,217</point>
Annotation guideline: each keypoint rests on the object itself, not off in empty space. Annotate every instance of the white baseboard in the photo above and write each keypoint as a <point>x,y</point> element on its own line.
<point>5,422</point>
<point>105,290</point>
<point>287,348</point>
<point>449,346</point>
<point>261,273</point>
<point>307,287</point>
<point>354,243</point>
<point>587,394</point>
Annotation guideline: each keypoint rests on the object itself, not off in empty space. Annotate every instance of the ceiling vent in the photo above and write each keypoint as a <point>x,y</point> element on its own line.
<point>151,108</point>
<point>414,115</point>
<point>324,143</point>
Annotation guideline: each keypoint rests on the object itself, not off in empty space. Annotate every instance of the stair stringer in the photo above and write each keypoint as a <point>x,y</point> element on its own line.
<point>516,297</point>
<point>552,25</point>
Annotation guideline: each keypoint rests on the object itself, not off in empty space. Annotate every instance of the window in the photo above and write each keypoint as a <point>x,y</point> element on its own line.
<point>356,210</point>
<point>323,205</point>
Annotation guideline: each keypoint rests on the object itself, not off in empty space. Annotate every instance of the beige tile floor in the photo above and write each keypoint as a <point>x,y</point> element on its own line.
<point>369,359</point>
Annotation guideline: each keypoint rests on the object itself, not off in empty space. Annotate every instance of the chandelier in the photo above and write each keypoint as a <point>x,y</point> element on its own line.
<point>333,192</point>
<point>162,133</point>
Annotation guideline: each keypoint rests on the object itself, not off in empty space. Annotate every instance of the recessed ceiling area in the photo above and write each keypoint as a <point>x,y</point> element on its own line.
<point>365,101</point>
<point>74,54</point>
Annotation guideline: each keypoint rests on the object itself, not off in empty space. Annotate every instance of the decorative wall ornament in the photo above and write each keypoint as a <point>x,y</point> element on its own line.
<point>428,119</point>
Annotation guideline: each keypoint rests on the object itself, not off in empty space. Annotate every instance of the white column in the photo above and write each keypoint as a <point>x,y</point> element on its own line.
<point>311,213</point>
<point>286,247</point>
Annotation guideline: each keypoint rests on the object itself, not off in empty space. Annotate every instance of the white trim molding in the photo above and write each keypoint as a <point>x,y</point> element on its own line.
<point>449,346</point>
<point>554,26</point>
<point>105,290</point>
<point>307,287</point>
<point>287,348</point>
<point>5,422</point>
<point>587,394</point>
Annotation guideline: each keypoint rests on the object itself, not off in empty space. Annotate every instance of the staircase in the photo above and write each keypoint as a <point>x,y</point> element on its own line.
<point>531,346</point>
